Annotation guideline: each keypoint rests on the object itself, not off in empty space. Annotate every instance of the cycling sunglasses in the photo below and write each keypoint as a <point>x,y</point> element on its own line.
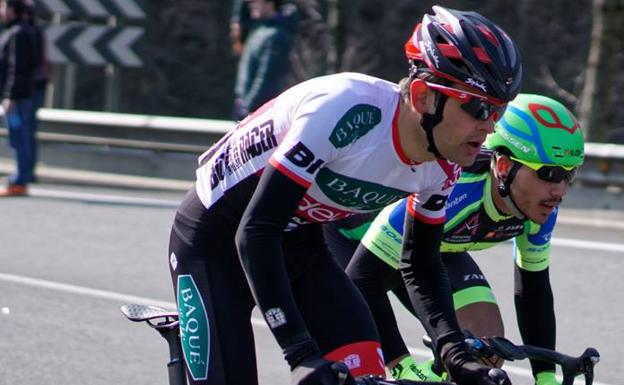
<point>478,106</point>
<point>552,174</point>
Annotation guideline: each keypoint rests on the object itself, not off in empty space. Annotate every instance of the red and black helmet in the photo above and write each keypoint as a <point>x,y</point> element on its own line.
<point>466,48</point>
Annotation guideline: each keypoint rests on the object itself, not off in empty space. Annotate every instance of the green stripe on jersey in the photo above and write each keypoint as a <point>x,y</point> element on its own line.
<point>488,203</point>
<point>382,240</point>
<point>472,295</point>
<point>467,177</point>
<point>355,233</point>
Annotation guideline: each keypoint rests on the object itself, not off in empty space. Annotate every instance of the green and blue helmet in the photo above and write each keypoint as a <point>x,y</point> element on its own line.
<point>538,130</point>
<point>541,134</point>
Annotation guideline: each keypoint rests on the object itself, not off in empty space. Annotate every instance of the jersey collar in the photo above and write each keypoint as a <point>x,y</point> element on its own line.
<point>395,139</point>
<point>488,202</point>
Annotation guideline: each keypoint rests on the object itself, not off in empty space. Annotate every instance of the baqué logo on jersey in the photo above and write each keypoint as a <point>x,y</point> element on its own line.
<point>355,193</point>
<point>354,124</point>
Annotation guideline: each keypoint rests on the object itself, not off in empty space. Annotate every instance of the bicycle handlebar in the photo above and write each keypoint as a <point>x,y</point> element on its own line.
<point>571,367</point>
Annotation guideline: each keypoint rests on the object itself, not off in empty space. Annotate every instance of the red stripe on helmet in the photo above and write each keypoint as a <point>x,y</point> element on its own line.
<point>411,46</point>
<point>489,35</point>
<point>449,50</point>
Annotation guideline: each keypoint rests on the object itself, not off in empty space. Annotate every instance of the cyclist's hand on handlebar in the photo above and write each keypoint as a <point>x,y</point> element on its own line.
<point>465,370</point>
<point>319,371</point>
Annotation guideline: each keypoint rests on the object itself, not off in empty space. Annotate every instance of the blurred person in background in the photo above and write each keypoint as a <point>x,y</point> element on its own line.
<point>40,78</point>
<point>239,25</point>
<point>265,56</point>
<point>18,62</point>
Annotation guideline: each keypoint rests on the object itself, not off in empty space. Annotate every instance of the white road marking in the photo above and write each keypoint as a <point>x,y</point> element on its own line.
<point>103,198</point>
<point>164,203</point>
<point>113,198</point>
<point>576,220</point>
<point>126,298</point>
<point>589,245</point>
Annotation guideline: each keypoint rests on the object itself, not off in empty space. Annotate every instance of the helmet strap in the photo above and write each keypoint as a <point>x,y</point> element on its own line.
<point>429,121</point>
<point>504,189</point>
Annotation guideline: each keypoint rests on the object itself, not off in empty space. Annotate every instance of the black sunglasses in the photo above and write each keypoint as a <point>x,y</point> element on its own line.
<point>482,110</point>
<point>552,174</point>
<point>556,174</point>
<point>475,105</point>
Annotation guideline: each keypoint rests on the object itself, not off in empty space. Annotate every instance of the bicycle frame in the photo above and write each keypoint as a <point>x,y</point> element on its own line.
<point>167,324</point>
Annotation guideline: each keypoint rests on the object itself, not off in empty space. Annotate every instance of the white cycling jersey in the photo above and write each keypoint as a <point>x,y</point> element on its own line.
<point>337,136</point>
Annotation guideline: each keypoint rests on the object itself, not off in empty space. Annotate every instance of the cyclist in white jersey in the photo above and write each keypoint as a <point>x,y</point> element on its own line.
<point>249,233</point>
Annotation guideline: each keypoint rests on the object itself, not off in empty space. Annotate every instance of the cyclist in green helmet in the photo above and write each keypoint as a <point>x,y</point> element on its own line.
<point>544,137</point>
<point>512,191</point>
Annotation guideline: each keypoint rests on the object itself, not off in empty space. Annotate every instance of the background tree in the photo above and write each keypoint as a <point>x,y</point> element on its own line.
<point>596,108</point>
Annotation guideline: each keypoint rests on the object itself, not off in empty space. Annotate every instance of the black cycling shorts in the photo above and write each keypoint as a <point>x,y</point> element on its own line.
<point>215,301</point>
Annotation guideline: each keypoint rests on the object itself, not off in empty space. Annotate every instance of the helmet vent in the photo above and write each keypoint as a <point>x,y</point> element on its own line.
<point>464,47</point>
<point>488,35</point>
<point>460,64</point>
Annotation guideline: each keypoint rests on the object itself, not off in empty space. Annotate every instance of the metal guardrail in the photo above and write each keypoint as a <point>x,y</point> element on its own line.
<point>143,145</point>
<point>131,131</point>
<point>168,147</point>
<point>604,165</point>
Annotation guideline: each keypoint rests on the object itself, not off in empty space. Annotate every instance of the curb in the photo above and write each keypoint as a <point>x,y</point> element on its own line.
<point>49,174</point>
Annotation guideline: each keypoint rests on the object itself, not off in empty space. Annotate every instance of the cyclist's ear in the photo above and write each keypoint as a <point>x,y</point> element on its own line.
<point>418,95</point>
<point>503,165</point>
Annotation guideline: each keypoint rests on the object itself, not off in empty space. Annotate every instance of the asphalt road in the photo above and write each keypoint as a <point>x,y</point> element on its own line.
<point>71,256</point>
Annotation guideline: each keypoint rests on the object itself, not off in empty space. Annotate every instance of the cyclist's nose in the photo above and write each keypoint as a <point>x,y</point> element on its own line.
<point>487,125</point>
<point>559,189</point>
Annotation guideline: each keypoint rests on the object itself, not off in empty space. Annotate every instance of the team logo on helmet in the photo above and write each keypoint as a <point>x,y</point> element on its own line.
<point>476,83</point>
<point>432,53</point>
<point>556,122</point>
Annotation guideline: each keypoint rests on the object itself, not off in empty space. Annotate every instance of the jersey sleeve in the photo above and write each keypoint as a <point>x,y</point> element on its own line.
<point>532,249</point>
<point>259,241</point>
<point>421,266</point>
<point>317,135</point>
<point>429,206</point>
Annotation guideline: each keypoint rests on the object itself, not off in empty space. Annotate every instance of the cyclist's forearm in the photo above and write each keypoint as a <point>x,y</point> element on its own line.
<point>372,275</point>
<point>259,244</point>
<point>427,282</point>
<point>535,312</point>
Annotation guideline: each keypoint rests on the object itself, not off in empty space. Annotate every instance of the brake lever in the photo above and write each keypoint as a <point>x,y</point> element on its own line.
<point>584,364</point>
